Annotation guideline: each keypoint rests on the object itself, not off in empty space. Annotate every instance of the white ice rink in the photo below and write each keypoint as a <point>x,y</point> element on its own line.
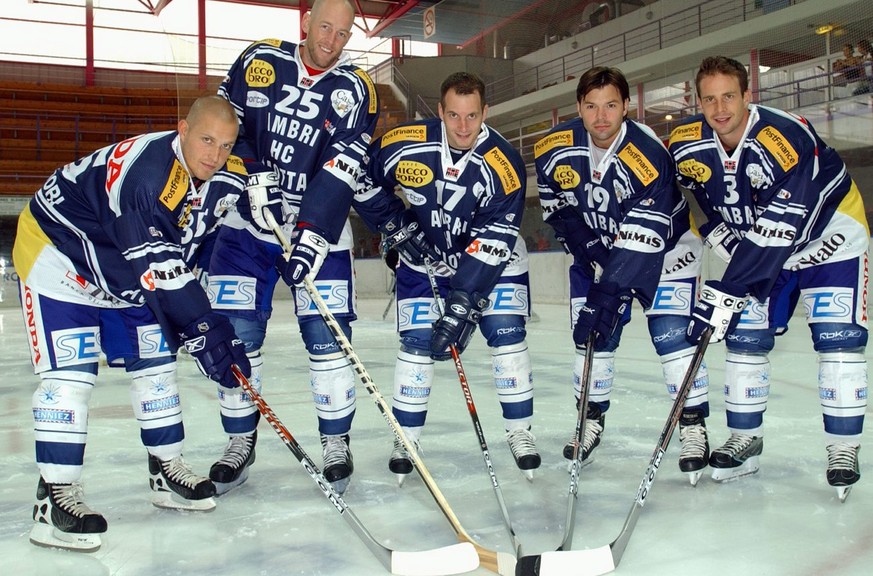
<point>785,520</point>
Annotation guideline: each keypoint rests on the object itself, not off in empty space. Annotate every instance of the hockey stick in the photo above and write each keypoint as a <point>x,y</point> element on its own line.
<point>393,291</point>
<point>499,562</point>
<point>474,416</point>
<point>453,559</point>
<point>605,559</point>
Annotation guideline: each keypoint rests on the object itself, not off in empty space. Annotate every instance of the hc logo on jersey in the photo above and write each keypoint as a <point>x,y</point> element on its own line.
<point>151,341</point>
<point>508,299</point>
<point>672,298</point>
<point>76,346</point>
<point>415,313</point>
<point>231,292</point>
<point>829,304</point>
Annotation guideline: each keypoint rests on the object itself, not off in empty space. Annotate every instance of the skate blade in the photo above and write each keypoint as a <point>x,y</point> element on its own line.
<point>694,477</point>
<point>225,487</point>
<point>843,492</point>
<point>747,468</point>
<point>528,474</point>
<point>401,478</point>
<point>341,485</point>
<point>50,537</point>
<point>172,501</point>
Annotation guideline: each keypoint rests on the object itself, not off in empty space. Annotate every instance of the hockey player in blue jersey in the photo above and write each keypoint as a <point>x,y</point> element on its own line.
<point>607,186</point>
<point>782,210</point>
<point>104,251</point>
<point>465,186</point>
<point>306,116</point>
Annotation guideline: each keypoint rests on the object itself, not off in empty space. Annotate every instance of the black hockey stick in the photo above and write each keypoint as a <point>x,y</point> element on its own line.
<point>499,562</point>
<point>453,559</point>
<point>393,291</point>
<point>605,559</point>
<point>474,416</point>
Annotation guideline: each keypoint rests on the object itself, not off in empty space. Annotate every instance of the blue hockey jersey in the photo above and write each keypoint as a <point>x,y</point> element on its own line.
<point>628,202</point>
<point>312,130</point>
<point>130,220</point>
<point>783,192</point>
<point>469,204</point>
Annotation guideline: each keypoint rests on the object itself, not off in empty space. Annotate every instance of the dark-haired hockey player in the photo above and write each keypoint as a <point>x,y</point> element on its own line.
<point>104,251</point>
<point>607,186</point>
<point>782,208</point>
<point>306,116</point>
<point>465,186</point>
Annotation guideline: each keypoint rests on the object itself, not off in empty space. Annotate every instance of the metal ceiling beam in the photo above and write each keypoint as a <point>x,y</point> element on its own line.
<point>504,22</point>
<point>389,17</point>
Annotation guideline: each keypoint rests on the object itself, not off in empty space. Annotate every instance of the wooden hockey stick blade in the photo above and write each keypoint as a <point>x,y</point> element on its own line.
<point>453,559</point>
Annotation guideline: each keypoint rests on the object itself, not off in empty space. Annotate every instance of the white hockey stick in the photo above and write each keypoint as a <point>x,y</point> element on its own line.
<point>454,559</point>
<point>605,559</point>
<point>499,562</point>
<point>474,416</point>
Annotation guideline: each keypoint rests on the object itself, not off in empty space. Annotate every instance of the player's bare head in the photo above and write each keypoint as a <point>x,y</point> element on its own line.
<point>600,77</point>
<point>714,65</point>
<point>207,135</point>
<point>328,28</point>
<point>463,84</point>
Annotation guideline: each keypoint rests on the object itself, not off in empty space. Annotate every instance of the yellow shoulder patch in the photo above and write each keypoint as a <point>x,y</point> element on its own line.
<point>413,174</point>
<point>638,164</point>
<point>236,165</point>
<point>416,133</point>
<point>271,41</point>
<point>260,74</point>
<point>779,147</point>
<point>371,89</point>
<point>566,177</point>
<point>695,170</point>
<point>176,187</point>
<point>505,171</point>
<point>687,132</point>
<point>562,138</point>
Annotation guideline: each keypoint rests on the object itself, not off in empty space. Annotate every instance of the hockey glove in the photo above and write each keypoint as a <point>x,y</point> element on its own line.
<point>601,314</point>
<point>262,193</point>
<point>310,250</point>
<point>455,327</point>
<point>404,234</point>
<point>720,239</point>
<point>214,345</point>
<point>720,306</point>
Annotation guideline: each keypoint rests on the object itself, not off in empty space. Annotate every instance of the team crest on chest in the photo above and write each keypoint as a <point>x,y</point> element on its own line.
<point>342,101</point>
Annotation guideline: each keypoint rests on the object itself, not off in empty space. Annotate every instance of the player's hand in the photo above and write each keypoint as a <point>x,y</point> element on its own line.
<point>720,306</point>
<point>455,327</point>
<point>310,250</point>
<point>601,314</point>
<point>720,239</point>
<point>213,344</point>
<point>262,193</point>
<point>405,235</point>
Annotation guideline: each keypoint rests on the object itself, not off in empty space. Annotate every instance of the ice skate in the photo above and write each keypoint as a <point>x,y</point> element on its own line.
<point>736,458</point>
<point>524,450</point>
<point>694,454</point>
<point>63,520</point>
<point>232,469</point>
<point>175,486</point>
<point>594,424</point>
<point>843,469</point>
<point>338,462</point>
<point>400,463</point>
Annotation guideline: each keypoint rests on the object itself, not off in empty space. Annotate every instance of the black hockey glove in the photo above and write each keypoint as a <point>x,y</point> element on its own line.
<point>601,314</point>
<point>310,250</point>
<point>404,234</point>
<point>262,193</point>
<point>214,345</point>
<point>720,306</point>
<point>459,320</point>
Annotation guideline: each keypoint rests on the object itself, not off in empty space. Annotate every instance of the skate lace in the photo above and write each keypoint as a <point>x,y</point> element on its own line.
<point>593,430</point>
<point>401,453</point>
<point>841,456</point>
<point>70,497</point>
<point>736,444</point>
<point>336,451</point>
<point>237,451</point>
<point>180,472</point>
<point>521,442</point>
<point>693,439</point>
